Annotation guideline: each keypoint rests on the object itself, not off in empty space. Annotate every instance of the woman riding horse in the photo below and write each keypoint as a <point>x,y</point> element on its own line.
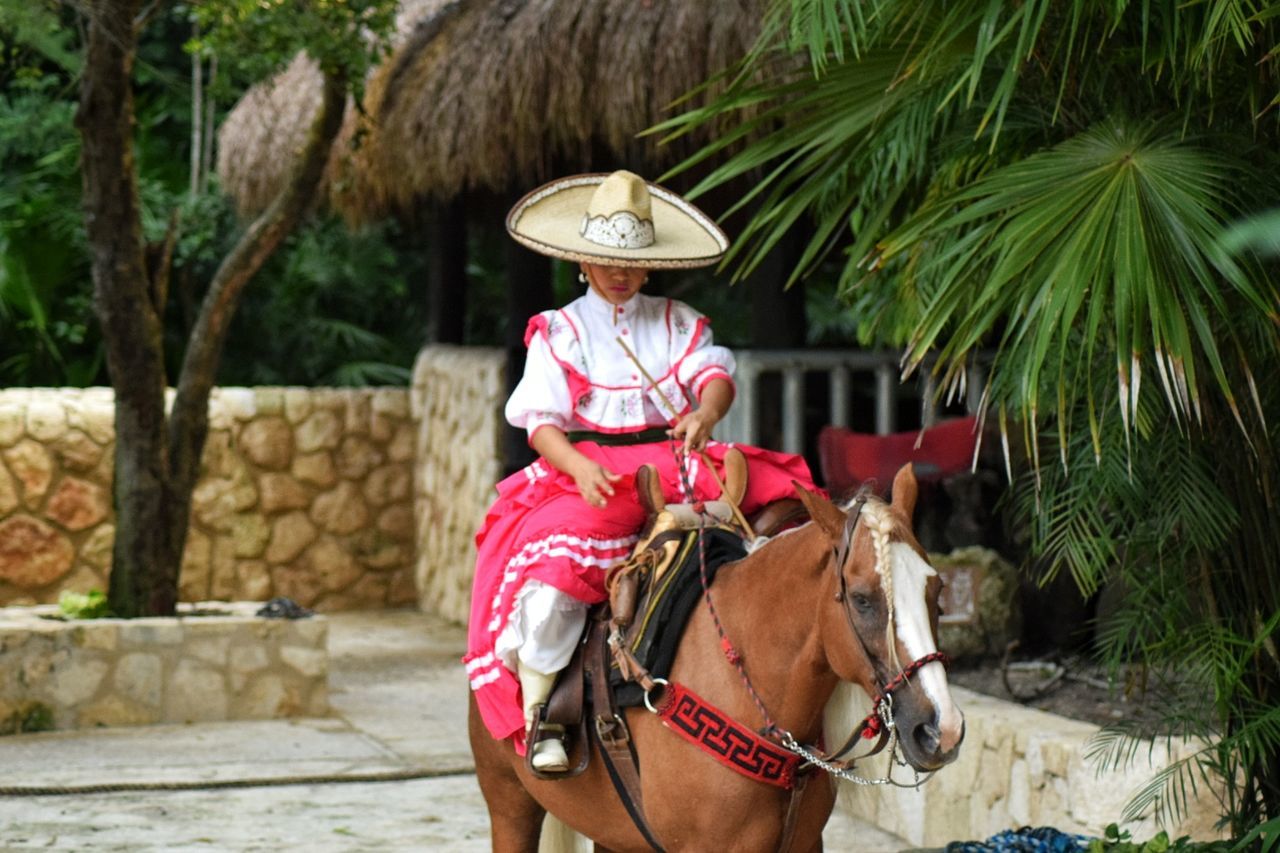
<point>614,380</point>
<point>848,597</point>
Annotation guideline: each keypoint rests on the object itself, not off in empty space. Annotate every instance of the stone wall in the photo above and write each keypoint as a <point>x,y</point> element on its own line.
<point>1020,767</point>
<point>304,492</point>
<point>457,404</point>
<point>215,662</point>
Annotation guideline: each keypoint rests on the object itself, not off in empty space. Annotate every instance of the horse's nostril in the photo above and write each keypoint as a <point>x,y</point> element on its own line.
<point>928,737</point>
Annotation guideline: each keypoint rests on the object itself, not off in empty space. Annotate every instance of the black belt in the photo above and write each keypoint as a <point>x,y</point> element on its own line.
<point>612,439</point>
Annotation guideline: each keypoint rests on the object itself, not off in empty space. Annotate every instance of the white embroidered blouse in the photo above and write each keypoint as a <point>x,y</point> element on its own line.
<point>578,377</point>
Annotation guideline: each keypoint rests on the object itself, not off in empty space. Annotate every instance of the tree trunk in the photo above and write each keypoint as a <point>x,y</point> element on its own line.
<point>156,469</point>
<point>189,420</point>
<point>143,579</point>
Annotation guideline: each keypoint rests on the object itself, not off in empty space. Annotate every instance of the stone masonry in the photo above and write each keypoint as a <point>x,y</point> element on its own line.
<point>1019,766</point>
<point>367,499</point>
<point>457,404</point>
<point>304,492</point>
<point>214,662</point>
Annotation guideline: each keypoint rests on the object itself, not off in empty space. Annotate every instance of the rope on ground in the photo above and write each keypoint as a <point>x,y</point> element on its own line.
<point>405,775</point>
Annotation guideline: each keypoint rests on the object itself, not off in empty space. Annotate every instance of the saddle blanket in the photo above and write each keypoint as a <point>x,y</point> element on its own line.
<point>665,609</point>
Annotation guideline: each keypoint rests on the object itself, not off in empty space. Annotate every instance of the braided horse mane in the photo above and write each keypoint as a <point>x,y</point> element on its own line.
<point>885,530</point>
<point>922,710</point>
<point>849,703</point>
<point>882,526</point>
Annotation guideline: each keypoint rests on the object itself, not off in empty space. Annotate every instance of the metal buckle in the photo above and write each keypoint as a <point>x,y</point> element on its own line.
<point>612,731</point>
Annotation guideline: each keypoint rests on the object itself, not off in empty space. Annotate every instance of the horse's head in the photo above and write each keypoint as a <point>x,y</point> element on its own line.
<point>879,623</point>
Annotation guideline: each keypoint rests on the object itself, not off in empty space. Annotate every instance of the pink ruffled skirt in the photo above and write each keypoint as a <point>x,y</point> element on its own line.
<point>540,529</point>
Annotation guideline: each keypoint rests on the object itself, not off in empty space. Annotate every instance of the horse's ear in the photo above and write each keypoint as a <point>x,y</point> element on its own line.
<point>824,512</point>
<point>905,491</point>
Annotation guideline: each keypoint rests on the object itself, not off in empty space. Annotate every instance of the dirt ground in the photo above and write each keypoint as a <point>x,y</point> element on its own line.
<point>1073,690</point>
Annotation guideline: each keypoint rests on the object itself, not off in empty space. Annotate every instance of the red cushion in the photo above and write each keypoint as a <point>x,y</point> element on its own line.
<point>849,459</point>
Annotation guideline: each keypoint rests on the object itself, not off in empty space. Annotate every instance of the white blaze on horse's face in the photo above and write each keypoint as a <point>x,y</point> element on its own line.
<point>911,621</point>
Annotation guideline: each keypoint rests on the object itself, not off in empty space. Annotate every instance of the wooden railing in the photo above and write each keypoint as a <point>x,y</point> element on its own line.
<point>849,373</point>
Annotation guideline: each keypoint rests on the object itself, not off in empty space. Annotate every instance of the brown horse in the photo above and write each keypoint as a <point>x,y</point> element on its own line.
<point>798,636</point>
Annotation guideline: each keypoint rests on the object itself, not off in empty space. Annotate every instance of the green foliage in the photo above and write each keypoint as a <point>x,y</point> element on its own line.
<point>325,293</point>
<point>1053,184</point>
<point>1265,836</point>
<point>254,38</point>
<point>46,335</point>
<point>26,718</point>
<point>1182,523</point>
<point>86,605</point>
<point>360,322</point>
<point>1259,233</point>
<point>1117,841</point>
<point>33,33</point>
<point>1113,232</point>
<point>312,320</point>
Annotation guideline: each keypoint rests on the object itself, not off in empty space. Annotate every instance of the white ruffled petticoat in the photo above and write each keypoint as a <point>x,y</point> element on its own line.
<point>543,629</point>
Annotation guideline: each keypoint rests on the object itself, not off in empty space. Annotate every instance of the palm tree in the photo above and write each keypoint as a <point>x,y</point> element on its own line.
<point>1051,181</point>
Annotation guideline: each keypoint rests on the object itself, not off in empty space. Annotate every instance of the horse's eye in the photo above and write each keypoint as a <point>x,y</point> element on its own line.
<point>861,602</point>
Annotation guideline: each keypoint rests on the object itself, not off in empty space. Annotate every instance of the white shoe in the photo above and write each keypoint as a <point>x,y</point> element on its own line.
<point>549,756</point>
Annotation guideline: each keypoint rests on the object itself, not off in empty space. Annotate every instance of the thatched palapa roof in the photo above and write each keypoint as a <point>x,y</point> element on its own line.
<point>263,134</point>
<point>492,94</point>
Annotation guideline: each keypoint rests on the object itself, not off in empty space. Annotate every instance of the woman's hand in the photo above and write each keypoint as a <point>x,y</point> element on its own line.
<point>695,428</point>
<point>593,480</point>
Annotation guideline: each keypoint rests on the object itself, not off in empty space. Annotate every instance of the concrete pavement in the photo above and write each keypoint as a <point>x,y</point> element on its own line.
<point>394,748</point>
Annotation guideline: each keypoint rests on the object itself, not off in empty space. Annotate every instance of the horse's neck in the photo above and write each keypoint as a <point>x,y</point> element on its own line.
<point>769,605</point>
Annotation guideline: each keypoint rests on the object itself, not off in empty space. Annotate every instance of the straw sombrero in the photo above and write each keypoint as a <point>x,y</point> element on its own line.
<point>618,220</point>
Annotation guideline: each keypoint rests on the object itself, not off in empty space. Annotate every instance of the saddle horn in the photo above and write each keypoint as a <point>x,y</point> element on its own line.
<point>649,490</point>
<point>735,476</point>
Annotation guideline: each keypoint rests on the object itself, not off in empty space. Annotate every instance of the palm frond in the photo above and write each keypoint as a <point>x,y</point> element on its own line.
<point>1118,221</point>
<point>818,167</point>
<point>363,373</point>
<point>1259,233</point>
<point>1167,793</point>
<point>1265,837</point>
<point>825,29</point>
<point>335,331</point>
<point>972,172</point>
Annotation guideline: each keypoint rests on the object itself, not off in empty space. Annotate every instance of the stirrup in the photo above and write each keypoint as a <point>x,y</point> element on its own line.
<point>546,755</point>
<point>548,751</point>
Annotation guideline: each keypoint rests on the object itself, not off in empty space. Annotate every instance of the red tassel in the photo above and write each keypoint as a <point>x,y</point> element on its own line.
<point>730,652</point>
<point>870,727</point>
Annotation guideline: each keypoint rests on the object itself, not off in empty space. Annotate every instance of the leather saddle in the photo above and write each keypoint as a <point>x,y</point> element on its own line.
<point>584,700</point>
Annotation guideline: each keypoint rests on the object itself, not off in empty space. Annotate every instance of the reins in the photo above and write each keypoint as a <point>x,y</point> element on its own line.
<point>770,755</point>
<point>878,722</point>
<point>726,645</point>
<point>872,724</point>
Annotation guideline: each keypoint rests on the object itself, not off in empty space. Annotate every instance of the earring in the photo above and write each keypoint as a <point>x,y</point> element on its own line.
<point>582,277</point>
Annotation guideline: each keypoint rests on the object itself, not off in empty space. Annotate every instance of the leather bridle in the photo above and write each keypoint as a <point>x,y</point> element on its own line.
<point>881,716</point>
